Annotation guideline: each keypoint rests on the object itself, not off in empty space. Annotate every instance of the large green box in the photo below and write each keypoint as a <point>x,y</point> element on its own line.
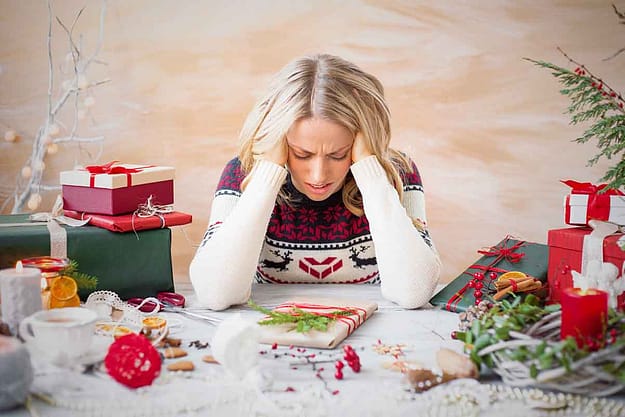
<point>508,255</point>
<point>128,264</point>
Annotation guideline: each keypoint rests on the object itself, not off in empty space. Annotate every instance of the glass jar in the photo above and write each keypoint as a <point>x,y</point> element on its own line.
<point>50,270</point>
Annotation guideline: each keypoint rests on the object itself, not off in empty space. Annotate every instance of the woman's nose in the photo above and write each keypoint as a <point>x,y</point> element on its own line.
<point>318,171</point>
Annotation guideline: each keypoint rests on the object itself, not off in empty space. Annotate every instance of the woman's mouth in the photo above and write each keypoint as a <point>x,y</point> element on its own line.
<point>318,188</point>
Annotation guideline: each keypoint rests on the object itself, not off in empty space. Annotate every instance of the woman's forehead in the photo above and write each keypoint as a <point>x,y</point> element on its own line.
<point>314,131</point>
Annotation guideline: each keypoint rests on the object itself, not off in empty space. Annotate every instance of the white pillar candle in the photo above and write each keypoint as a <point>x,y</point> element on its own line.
<point>20,294</point>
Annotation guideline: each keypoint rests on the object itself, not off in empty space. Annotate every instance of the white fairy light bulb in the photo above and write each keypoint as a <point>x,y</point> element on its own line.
<point>89,101</point>
<point>34,201</point>
<point>52,149</point>
<point>80,114</point>
<point>10,135</point>
<point>27,171</point>
<point>83,82</point>
<point>39,165</point>
<point>53,129</point>
<point>67,84</point>
<point>46,140</point>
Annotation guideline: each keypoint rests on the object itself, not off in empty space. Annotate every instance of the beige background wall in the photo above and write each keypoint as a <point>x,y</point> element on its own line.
<point>486,128</point>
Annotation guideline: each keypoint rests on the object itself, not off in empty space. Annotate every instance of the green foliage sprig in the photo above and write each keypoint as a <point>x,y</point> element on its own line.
<point>593,100</point>
<point>519,315</point>
<point>303,321</point>
<point>83,281</point>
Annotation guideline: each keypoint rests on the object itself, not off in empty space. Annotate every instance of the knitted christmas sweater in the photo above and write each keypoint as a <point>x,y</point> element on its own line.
<point>251,237</point>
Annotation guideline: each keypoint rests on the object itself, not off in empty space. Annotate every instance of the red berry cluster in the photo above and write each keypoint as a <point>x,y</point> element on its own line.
<point>352,359</point>
<point>599,86</point>
<point>477,283</point>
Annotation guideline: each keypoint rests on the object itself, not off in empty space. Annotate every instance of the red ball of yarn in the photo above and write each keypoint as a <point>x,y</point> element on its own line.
<point>132,360</point>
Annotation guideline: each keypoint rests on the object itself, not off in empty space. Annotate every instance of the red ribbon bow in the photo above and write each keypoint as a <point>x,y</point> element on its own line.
<point>109,169</point>
<point>590,188</point>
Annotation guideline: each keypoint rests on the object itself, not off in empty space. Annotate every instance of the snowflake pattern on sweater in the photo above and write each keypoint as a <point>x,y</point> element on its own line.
<point>311,241</point>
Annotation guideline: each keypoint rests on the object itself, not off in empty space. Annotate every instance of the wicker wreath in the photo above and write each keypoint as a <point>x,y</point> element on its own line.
<point>584,376</point>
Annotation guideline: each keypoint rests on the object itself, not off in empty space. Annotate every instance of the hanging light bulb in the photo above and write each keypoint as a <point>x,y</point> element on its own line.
<point>89,101</point>
<point>34,201</point>
<point>27,171</point>
<point>10,135</point>
<point>52,149</point>
<point>83,82</point>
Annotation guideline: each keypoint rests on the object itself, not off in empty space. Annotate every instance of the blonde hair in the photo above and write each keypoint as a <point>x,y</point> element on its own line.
<point>328,87</point>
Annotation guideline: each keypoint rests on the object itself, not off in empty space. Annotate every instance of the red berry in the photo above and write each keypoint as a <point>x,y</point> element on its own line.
<point>454,334</point>
<point>492,275</point>
<point>289,389</point>
<point>348,348</point>
<point>356,368</point>
<point>478,301</point>
<point>478,276</point>
<point>339,365</point>
<point>335,392</point>
<point>338,374</point>
<point>479,285</point>
<point>477,294</point>
<point>274,346</point>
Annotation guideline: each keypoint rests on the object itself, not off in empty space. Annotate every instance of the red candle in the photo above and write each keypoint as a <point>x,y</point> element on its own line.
<point>584,315</point>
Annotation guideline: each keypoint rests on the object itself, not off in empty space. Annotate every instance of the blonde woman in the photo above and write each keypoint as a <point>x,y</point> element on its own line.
<point>317,196</point>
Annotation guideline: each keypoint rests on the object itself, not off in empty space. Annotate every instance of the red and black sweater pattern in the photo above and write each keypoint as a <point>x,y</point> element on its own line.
<point>312,241</point>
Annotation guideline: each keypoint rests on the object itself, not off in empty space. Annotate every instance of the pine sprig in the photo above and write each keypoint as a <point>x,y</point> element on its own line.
<point>83,281</point>
<point>303,321</point>
<point>594,101</point>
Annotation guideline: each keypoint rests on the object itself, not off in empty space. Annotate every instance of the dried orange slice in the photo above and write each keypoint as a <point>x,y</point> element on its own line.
<point>63,288</point>
<point>121,331</point>
<point>154,323</point>
<point>73,301</point>
<point>515,275</point>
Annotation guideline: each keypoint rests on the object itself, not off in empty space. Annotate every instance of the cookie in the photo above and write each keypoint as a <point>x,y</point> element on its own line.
<point>174,352</point>
<point>181,366</point>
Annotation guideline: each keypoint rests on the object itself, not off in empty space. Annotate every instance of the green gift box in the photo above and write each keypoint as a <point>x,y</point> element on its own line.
<point>508,255</point>
<point>128,264</point>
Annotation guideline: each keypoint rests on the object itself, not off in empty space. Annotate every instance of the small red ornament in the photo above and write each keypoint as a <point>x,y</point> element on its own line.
<point>132,361</point>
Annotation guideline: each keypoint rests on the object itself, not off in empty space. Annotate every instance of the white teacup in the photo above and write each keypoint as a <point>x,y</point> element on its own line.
<point>61,334</point>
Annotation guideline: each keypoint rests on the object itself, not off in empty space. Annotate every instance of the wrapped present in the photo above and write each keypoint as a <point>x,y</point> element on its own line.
<point>571,251</point>
<point>585,202</point>
<point>338,329</point>
<point>477,281</point>
<point>131,265</point>
<point>116,189</point>
<point>130,222</point>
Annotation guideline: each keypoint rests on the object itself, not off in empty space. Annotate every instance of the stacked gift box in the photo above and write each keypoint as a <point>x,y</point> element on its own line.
<point>555,264</point>
<point>126,239</point>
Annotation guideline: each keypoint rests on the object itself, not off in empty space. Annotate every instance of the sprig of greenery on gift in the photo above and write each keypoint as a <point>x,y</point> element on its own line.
<point>304,321</point>
<point>594,101</point>
<point>85,282</point>
<point>519,315</point>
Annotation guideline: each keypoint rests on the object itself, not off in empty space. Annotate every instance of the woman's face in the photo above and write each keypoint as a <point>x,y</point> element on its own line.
<point>319,156</point>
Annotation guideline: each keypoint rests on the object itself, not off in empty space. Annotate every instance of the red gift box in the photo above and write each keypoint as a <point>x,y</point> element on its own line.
<point>565,255</point>
<point>130,222</point>
<point>116,189</point>
<point>585,203</point>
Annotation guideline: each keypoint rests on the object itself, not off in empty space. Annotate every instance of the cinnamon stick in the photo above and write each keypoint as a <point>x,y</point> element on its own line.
<point>524,286</point>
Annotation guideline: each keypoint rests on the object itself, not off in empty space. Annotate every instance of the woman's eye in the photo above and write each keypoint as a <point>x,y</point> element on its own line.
<point>339,157</point>
<point>297,156</point>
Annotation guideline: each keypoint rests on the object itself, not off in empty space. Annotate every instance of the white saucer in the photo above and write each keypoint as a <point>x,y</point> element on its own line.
<point>96,353</point>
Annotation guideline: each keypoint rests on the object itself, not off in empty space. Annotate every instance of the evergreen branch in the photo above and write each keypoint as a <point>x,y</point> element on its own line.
<point>303,320</point>
<point>594,101</point>
<point>83,281</point>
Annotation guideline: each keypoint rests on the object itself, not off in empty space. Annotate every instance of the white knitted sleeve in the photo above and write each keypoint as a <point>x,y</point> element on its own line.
<point>409,265</point>
<point>224,265</point>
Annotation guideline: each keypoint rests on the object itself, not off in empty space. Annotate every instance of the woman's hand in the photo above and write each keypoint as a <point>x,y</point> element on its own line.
<point>360,149</point>
<point>278,154</point>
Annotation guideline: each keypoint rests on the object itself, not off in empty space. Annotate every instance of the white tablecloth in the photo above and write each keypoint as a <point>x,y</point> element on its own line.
<point>277,387</point>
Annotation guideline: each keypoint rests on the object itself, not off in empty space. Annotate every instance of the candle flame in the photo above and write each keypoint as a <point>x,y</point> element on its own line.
<point>18,267</point>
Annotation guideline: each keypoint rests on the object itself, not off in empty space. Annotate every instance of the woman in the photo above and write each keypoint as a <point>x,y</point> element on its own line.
<point>317,196</point>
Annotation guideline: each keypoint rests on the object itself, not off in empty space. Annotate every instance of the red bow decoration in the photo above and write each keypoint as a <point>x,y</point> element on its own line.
<point>109,169</point>
<point>590,188</point>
